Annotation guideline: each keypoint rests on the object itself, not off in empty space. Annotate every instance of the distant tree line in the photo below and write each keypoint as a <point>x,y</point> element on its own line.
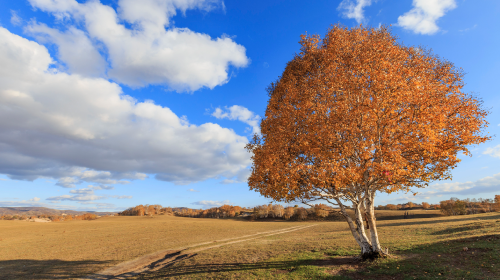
<point>146,210</point>
<point>455,206</point>
<point>408,206</point>
<point>52,218</point>
<point>271,211</point>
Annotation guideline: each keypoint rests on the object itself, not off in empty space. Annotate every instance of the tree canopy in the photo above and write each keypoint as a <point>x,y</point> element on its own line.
<point>358,112</point>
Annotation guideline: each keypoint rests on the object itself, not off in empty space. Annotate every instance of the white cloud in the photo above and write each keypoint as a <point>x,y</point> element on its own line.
<point>82,191</point>
<point>74,48</point>
<point>101,187</point>
<point>62,126</point>
<point>468,29</point>
<point>241,177</point>
<point>78,197</point>
<point>35,199</point>
<point>484,185</point>
<point>494,152</point>
<point>121,196</point>
<point>354,9</point>
<point>67,182</point>
<point>152,52</point>
<point>229,181</point>
<point>240,113</point>
<point>22,203</point>
<point>15,19</point>
<point>193,190</point>
<point>3,179</point>
<point>422,18</point>
<point>211,203</point>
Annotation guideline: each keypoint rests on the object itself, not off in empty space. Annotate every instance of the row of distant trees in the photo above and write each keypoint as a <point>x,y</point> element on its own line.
<point>272,211</point>
<point>276,211</point>
<point>53,218</point>
<point>147,210</point>
<point>408,206</point>
<point>455,206</point>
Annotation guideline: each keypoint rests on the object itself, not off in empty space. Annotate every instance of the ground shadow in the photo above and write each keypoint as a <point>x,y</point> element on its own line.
<point>277,267</point>
<point>45,269</point>
<point>469,258</point>
<point>408,222</point>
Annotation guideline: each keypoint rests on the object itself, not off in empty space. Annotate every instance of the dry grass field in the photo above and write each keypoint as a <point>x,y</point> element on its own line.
<point>76,248</point>
<point>423,248</point>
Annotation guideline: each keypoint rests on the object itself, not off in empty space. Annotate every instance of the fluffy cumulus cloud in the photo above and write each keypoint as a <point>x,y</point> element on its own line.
<point>84,129</point>
<point>354,9</point>
<point>494,152</point>
<point>423,16</point>
<point>151,52</point>
<point>240,113</point>
<point>74,48</point>
<point>211,203</point>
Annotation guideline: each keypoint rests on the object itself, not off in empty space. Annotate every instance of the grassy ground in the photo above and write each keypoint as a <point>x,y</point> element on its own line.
<point>422,249</point>
<point>75,248</point>
<point>427,248</point>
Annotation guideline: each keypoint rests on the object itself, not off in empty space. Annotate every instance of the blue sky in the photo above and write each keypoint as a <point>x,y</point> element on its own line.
<point>109,104</point>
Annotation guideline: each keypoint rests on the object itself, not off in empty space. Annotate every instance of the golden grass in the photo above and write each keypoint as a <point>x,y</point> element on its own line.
<point>94,245</point>
<point>78,248</point>
<point>424,248</point>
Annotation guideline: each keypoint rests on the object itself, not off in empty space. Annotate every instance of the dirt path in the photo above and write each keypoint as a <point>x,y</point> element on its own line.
<point>158,260</point>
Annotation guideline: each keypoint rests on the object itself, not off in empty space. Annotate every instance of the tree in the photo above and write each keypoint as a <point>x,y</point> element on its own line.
<point>410,204</point>
<point>321,210</point>
<point>358,113</point>
<point>497,202</point>
<point>392,207</point>
<point>289,212</point>
<point>425,205</point>
<point>277,211</point>
<point>301,213</point>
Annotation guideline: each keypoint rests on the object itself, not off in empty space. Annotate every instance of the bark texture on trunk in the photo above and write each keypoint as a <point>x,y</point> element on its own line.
<point>370,247</point>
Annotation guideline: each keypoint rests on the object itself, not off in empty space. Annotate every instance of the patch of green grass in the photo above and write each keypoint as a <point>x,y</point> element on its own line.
<point>421,249</point>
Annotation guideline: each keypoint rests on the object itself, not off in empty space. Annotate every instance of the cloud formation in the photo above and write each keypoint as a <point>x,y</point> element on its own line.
<point>15,19</point>
<point>78,197</point>
<point>150,52</point>
<point>84,129</point>
<point>240,113</point>
<point>211,203</point>
<point>121,196</point>
<point>354,9</point>
<point>494,152</point>
<point>422,18</point>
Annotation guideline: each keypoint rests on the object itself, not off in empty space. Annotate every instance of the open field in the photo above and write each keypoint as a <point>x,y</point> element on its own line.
<point>423,248</point>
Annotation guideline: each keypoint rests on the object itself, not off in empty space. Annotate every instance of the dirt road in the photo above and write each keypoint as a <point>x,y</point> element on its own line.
<point>158,260</point>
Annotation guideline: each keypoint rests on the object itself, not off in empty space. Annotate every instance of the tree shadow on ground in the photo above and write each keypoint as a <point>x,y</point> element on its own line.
<point>409,222</point>
<point>45,269</point>
<point>276,268</point>
<point>473,257</point>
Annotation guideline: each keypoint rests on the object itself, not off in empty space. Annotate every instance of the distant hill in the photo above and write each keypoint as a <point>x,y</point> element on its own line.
<point>44,211</point>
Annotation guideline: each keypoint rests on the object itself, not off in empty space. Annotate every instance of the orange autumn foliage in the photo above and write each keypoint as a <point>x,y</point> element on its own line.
<point>358,112</point>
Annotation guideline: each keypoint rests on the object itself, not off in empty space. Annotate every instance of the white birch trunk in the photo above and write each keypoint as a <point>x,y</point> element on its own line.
<point>357,230</point>
<point>371,221</point>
